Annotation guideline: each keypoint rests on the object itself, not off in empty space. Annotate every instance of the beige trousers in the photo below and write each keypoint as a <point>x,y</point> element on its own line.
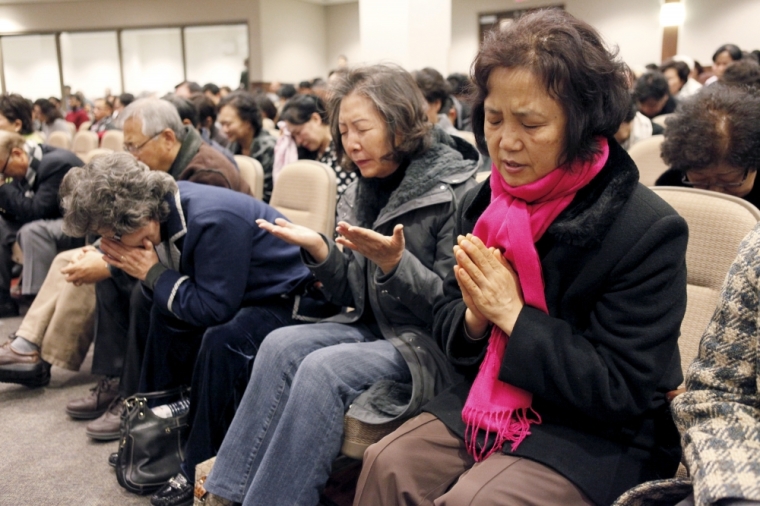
<point>423,463</point>
<point>61,319</point>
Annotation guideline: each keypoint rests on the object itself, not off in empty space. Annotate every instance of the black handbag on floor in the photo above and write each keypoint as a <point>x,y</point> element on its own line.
<point>151,448</point>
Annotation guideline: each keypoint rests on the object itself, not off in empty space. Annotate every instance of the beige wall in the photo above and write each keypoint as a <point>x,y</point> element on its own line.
<point>290,40</point>
<point>343,33</point>
<point>293,40</point>
<point>632,26</point>
<point>709,26</point>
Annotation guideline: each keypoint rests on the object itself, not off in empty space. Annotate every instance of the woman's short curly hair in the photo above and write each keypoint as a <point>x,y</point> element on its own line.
<point>399,101</point>
<point>115,193</point>
<point>718,124</point>
<point>247,108</point>
<point>569,57</point>
<point>299,109</point>
<point>15,107</point>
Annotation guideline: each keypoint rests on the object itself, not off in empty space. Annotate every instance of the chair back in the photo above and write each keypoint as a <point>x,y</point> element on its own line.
<point>87,157</point>
<point>72,127</point>
<point>305,193</point>
<point>59,139</point>
<point>717,224</point>
<point>646,155</point>
<point>252,173</point>
<point>660,120</point>
<point>113,140</point>
<point>84,142</point>
<point>482,175</point>
<point>85,126</point>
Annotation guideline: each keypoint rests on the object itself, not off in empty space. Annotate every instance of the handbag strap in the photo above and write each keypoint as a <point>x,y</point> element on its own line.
<point>134,399</point>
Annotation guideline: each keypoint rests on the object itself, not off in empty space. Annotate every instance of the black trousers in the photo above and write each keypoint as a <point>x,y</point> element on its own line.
<point>216,362</point>
<point>8,231</point>
<point>112,312</point>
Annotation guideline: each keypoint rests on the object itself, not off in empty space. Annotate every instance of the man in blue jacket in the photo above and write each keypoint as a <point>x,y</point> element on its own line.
<point>219,284</point>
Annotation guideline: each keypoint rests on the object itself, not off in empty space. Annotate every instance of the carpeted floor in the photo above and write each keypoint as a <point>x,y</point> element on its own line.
<point>47,460</point>
<point>45,457</point>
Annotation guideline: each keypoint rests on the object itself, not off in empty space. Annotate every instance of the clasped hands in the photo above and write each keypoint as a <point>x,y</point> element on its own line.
<point>134,260</point>
<point>86,267</point>
<point>385,251</point>
<point>490,286</point>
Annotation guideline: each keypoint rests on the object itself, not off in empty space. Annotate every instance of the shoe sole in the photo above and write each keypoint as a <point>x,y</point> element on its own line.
<point>103,436</point>
<point>82,415</point>
<point>24,376</point>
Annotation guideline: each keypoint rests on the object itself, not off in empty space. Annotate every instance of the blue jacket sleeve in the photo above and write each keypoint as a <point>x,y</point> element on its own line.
<point>219,262</point>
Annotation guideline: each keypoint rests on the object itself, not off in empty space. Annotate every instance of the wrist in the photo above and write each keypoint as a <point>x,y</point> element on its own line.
<point>475,327</point>
<point>507,320</point>
<point>318,250</point>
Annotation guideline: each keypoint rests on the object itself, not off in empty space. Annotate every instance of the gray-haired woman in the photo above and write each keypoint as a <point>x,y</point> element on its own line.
<point>220,284</point>
<point>396,227</point>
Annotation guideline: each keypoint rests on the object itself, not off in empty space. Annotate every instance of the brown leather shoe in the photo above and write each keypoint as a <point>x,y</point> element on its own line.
<point>106,428</point>
<point>23,368</point>
<point>96,402</point>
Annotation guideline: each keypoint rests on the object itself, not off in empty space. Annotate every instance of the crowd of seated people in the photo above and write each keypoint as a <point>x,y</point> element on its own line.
<point>519,334</point>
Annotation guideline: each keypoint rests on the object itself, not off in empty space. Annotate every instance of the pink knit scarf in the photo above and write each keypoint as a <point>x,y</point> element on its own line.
<point>514,221</point>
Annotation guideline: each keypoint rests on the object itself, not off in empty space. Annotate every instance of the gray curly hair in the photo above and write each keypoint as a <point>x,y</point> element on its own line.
<point>116,193</point>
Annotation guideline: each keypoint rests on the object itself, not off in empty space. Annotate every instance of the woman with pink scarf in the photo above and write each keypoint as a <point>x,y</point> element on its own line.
<point>564,308</point>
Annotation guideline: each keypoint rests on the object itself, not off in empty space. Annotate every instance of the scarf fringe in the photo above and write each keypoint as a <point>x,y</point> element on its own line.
<point>513,425</point>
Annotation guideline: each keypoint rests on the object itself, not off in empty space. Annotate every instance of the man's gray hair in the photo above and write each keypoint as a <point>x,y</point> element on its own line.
<point>114,193</point>
<point>156,116</point>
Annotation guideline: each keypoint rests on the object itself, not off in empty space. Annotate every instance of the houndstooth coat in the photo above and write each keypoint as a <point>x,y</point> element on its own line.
<point>719,414</point>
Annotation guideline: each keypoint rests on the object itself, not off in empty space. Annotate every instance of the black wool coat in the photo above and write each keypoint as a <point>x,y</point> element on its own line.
<point>600,363</point>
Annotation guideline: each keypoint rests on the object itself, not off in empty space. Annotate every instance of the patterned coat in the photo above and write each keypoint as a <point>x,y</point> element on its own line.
<point>719,414</point>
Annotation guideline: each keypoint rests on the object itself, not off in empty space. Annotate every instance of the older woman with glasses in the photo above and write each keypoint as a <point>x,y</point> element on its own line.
<point>713,143</point>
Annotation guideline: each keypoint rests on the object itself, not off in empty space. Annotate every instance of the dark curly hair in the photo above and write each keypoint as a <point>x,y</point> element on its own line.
<point>434,87</point>
<point>48,110</point>
<point>680,67</point>
<point>742,73</point>
<point>652,85</point>
<point>15,107</point>
<point>298,110</point>
<point>732,49</point>
<point>718,124</point>
<point>398,100</point>
<point>246,106</point>
<point>568,56</point>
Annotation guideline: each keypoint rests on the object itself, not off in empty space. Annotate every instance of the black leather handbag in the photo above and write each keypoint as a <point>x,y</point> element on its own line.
<point>151,448</point>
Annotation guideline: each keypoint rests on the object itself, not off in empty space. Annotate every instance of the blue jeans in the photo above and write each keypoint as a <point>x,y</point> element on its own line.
<point>288,427</point>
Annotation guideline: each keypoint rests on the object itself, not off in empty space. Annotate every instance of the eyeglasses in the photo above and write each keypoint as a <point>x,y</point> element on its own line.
<point>705,185</point>
<point>130,148</point>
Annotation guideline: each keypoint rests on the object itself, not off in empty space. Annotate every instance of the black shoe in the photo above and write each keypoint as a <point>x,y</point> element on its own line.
<point>113,458</point>
<point>177,492</point>
<point>26,369</point>
<point>8,308</point>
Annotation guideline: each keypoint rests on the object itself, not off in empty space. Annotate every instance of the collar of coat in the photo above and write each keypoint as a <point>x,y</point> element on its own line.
<point>587,219</point>
<point>190,146</point>
<point>172,230</point>
<point>423,178</point>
